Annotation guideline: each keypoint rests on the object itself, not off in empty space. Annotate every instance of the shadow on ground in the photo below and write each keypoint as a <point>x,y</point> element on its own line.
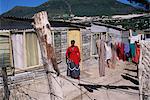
<point>131,75</point>
<point>90,88</point>
<point>127,77</point>
<point>130,70</point>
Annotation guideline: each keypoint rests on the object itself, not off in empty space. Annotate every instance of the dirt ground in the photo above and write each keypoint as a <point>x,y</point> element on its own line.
<point>120,83</point>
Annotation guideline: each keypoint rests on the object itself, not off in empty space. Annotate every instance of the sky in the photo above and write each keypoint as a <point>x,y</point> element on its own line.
<point>6,5</point>
<point>134,5</point>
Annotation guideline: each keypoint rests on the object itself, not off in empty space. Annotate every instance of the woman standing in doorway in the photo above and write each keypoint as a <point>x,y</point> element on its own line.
<point>73,59</point>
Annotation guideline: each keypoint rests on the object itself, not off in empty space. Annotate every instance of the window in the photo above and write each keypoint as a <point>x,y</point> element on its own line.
<point>95,37</point>
<point>147,36</point>
<point>26,49</point>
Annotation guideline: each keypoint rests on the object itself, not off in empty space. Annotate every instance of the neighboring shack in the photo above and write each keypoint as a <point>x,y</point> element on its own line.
<point>110,31</point>
<point>144,68</point>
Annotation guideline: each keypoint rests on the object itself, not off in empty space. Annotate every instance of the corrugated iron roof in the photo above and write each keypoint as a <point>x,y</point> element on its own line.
<point>10,23</point>
<point>109,26</point>
<point>147,30</point>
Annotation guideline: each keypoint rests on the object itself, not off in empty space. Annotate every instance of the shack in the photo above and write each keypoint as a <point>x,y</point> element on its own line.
<point>21,54</point>
<point>97,29</point>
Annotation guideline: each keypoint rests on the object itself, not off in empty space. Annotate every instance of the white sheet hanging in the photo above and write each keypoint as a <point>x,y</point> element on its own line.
<point>108,52</point>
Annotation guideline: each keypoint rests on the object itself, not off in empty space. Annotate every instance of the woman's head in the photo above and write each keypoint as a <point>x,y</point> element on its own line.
<point>72,42</point>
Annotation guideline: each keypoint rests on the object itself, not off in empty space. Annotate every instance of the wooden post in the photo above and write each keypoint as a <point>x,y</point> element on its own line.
<point>5,82</point>
<point>42,28</point>
<point>140,73</point>
<point>91,46</point>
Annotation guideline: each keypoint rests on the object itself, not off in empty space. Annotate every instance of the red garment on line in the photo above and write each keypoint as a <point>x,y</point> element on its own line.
<point>120,51</point>
<point>73,54</point>
<point>137,55</point>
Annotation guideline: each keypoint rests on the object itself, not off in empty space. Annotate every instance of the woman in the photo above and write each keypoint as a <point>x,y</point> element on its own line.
<point>73,59</point>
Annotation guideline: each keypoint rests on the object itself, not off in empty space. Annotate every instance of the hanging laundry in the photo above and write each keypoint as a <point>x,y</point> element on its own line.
<point>126,48</point>
<point>108,55</point>
<point>120,51</point>
<point>101,53</point>
<point>137,50</point>
<point>114,54</point>
<point>127,51</point>
<point>108,51</point>
<point>132,49</point>
<point>134,38</point>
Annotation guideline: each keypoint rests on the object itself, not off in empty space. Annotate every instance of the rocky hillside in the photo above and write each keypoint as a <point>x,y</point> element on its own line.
<point>76,7</point>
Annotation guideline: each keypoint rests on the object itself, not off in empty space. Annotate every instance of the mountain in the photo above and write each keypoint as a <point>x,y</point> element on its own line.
<point>76,7</point>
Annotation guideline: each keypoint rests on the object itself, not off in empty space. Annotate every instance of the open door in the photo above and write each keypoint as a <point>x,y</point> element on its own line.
<point>75,34</point>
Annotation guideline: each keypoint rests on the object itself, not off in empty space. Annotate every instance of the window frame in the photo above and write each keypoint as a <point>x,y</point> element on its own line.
<point>11,67</point>
<point>99,35</point>
<point>25,67</point>
<point>92,36</point>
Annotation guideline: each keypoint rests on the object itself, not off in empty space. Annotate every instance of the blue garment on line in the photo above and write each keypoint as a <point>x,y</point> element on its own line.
<point>126,48</point>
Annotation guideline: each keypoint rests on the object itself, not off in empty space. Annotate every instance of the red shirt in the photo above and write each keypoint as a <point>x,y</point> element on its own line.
<point>73,54</point>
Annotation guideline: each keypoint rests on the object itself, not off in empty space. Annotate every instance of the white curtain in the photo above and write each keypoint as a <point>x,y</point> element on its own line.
<point>18,50</point>
<point>32,49</point>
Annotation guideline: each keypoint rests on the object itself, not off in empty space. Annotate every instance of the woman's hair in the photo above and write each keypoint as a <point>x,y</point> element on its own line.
<point>72,41</point>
